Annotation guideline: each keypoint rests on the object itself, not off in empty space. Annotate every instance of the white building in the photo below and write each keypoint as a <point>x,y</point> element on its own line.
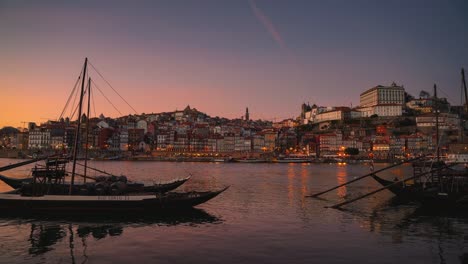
<point>39,138</point>
<point>124,140</point>
<point>162,140</point>
<point>382,101</point>
<point>242,144</point>
<point>338,114</point>
<point>446,121</point>
<point>381,110</point>
<point>102,124</point>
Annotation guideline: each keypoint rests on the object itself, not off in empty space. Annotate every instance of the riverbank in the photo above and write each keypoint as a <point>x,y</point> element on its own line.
<point>178,157</point>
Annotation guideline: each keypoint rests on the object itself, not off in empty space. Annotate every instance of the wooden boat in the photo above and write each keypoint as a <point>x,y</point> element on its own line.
<point>13,182</point>
<point>16,183</point>
<point>459,158</point>
<point>47,192</point>
<point>129,186</point>
<point>402,191</point>
<point>105,203</point>
<point>291,161</point>
<point>227,159</point>
<point>293,158</point>
<point>443,188</point>
<point>251,160</point>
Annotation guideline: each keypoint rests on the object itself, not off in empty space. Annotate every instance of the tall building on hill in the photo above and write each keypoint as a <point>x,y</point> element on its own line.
<point>382,100</point>
<point>379,95</point>
<point>247,117</point>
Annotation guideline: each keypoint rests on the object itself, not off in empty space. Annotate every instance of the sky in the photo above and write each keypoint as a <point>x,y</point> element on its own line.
<point>223,56</point>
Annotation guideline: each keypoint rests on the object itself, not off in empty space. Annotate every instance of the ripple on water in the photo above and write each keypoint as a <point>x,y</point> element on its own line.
<point>262,218</point>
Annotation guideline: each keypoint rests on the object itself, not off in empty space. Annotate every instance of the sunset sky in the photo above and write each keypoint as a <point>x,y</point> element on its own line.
<point>223,56</point>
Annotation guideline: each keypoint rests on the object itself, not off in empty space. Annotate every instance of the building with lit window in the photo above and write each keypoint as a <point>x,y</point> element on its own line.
<point>382,101</point>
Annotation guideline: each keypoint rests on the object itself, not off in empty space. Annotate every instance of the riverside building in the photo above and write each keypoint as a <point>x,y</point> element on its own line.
<point>382,101</point>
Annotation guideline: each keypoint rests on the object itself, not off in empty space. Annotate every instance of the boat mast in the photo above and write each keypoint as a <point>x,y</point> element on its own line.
<point>465,107</point>
<point>464,89</point>
<point>77,133</point>
<point>87,129</point>
<point>436,107</point>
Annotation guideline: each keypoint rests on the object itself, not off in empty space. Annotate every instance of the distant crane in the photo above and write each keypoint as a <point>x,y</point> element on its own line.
<point>24,124</point>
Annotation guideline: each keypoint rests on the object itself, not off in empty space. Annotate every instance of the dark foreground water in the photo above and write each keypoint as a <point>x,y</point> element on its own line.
<point>263,218</point>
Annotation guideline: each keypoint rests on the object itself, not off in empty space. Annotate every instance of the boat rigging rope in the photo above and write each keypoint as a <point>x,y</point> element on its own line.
<point>111,87</point>
<point>76,108</point>
<point>94,105</point>
<point>97,87</point>
<point>69,97</point>
<point>447,95</point>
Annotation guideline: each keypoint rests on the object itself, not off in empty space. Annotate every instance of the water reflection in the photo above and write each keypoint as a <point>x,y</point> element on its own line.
<point>304,183</point>
<point>43,237</point>
<point>341,177</point>
<point>444,233</point>
<point>56,233</point>
<point>291,186</point>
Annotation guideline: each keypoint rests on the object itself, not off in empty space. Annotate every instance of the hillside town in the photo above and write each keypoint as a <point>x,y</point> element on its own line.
<point>388,124</point>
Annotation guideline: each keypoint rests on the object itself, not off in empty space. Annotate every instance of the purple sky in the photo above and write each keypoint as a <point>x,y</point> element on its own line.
<point>223,56</point>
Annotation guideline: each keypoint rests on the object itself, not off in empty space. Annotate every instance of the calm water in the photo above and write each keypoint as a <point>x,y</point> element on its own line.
<point>262,218</point>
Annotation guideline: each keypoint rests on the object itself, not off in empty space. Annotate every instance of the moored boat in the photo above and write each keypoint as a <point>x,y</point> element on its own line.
<point>458,158</point>
<point>433,185</point>
<point>293,158</point>
<point>13,182</point>
<point>48,191</point>
<point>105,203</point>
<point>103,182</point>
<point>251,160</point>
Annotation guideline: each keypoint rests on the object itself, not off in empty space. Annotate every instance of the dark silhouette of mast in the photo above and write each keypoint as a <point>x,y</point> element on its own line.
<point>464,114</point>
<point>75,148</point>
<point>464,89</point>
<point>87,129</point>
<point>436,107</point>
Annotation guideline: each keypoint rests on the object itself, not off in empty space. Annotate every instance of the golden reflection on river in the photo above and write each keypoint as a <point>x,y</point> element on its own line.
<point>291,188</point>
<point>341,177</point>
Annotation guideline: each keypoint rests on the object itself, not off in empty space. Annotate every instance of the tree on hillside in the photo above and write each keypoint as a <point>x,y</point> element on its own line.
<point>408,97</point>
<point>351,151</point>
<point>423,94</point>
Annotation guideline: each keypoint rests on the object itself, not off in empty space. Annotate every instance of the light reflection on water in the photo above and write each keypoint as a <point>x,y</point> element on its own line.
<point>262,218</point>
<point>341,179</point>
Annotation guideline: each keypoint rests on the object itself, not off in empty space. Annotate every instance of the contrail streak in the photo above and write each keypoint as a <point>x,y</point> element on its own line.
<point>268,24</point>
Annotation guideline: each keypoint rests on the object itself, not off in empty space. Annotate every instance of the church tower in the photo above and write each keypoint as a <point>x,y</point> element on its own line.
<point>247,118</point>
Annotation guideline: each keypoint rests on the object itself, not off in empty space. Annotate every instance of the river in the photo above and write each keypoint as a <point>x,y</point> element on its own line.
<point>264,217</point>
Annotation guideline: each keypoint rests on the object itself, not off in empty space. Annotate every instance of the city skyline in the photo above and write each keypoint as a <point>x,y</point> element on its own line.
<point>224,57</point>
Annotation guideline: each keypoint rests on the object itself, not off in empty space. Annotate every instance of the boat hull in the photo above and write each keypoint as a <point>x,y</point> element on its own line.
<point>103,204</point>
<point>250,161</point>
<point>292,161</point>
<point>14,183</point>
<point>131,187</point>
<point>402,191</point>
<point>428,197</point>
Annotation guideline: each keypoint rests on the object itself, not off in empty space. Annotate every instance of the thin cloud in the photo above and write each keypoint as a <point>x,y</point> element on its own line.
<point>295,62</point>
<point>268,24</point>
